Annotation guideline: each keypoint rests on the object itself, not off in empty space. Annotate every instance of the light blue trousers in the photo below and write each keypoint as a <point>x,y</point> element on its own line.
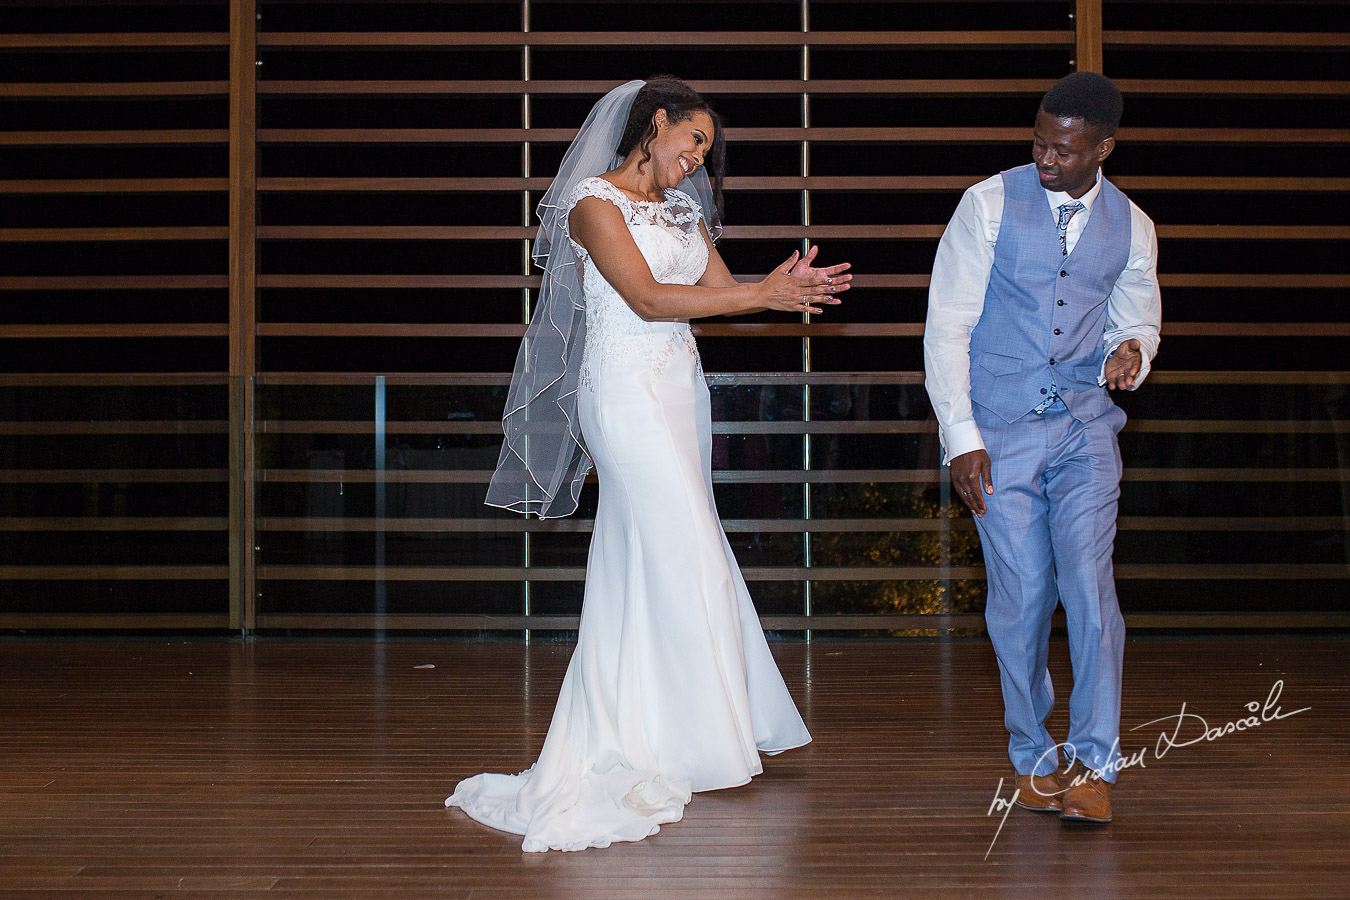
<point>1048,535</point>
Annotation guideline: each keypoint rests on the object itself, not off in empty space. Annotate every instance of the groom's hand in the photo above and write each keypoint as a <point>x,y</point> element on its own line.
<point>972,476</point>
<point>1123,366</point>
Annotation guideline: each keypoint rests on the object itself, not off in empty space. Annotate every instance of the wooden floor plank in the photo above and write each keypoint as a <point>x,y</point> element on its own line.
<point>319,769</point>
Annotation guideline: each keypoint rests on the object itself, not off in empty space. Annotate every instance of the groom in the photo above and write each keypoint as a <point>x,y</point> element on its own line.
<point>1044,295</point>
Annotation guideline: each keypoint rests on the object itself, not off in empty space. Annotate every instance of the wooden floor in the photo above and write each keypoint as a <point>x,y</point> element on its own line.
<point>320,770</point>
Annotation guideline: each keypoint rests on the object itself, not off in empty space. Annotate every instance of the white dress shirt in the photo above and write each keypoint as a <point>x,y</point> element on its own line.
<point>956,292</point>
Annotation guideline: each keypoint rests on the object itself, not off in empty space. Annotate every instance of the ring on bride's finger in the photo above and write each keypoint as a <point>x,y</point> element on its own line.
<point>967,493</point>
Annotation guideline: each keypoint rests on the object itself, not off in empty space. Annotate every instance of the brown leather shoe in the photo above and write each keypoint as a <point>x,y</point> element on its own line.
<point>1039,793</point>
<point>1088,800</point>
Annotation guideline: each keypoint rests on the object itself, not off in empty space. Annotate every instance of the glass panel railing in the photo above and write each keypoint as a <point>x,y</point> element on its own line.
<point>114,502</point>
<point>122,504</point>
<point>370,505</point>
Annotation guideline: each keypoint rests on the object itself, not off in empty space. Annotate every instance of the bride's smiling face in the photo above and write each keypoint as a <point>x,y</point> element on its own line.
<point>678,148</point>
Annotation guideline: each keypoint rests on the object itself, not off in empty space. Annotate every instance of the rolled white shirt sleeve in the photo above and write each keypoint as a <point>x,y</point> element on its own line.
<point>965,257</point>
<point>1134,307</point>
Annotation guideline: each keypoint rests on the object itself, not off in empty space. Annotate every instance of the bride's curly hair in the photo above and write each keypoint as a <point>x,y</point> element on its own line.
<point>680,102</point>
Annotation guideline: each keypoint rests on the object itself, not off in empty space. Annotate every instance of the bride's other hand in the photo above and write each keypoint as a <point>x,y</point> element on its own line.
<point>803,268</point>
<point>782,290</point>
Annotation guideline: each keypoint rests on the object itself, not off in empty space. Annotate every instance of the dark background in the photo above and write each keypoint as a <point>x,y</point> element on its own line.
<point>1265,296</point>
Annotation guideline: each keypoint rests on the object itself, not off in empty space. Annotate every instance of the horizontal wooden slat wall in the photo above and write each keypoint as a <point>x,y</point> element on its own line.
<point>113,259</point>
<point>334,216</point>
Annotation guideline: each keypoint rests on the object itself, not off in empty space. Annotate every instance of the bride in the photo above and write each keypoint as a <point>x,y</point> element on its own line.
<point>671,688</point>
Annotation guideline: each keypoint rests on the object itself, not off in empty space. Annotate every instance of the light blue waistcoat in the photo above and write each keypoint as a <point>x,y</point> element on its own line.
<point>1015,354</point>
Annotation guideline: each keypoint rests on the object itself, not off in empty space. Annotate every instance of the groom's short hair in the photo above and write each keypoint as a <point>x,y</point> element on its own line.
<point>1088,96</point>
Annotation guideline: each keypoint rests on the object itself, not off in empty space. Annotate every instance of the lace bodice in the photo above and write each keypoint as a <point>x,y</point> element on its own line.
<point>668,236</point>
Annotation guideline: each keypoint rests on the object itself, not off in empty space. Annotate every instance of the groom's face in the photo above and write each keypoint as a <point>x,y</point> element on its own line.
<point>1067,153</point>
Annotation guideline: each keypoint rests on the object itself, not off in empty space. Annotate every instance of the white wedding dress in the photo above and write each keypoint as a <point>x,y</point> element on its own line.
<point>671,688</point>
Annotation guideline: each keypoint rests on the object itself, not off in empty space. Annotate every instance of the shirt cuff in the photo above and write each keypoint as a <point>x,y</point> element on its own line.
<point>961,438</point>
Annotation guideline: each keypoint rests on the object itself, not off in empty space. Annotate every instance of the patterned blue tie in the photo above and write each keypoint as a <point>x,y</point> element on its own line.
<point>1065,214</point>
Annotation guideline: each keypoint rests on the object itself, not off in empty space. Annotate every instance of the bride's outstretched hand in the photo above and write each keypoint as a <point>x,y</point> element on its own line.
<point>839,280</point>
<point>790,290</point>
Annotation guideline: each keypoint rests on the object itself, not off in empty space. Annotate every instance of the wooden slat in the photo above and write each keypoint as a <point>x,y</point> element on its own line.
<point>642,39</point>
<point>117,330</point>
<point>520,232</point>
<point>1088,35</point>
<point>142,426</point>
<point>1236,183</point>
<point>1275,40</point>
<point>1275,475</point>
<point>59,89</point>
<point>386,329</point>
<point>1254,232</point>
<point>872,87</point>
<point>879,622</point>
<point>466,330</point>
<point>815,426</point>
<point>921,87</point>
<point>889,135</point>
<point>1253,281</point>
<point>1236,88</point>
<point>242,268</point>
<point>575,524</point>
<point>714,379</point>
<point>551,574</point>
<point>111,138</point>
<point>851,184</point>
<point>744,232</point>
<point>1258,329</point>
<point>407,183</point>
<point>460,282</point>
<point>172,40</point>
<point>370,476</point>
<point>113,523</point>
<point>406,622</point>
<point>1126,571</point>
<point>1237,426</point>
<point>111,282</point>
<point>1230,523</point>
<point>116,379</point>
<point>477,379</point>
<point>113,573</point>
<point>114,186</point>
<point>758,476</point>
<point>1254,376</point>
<point>114,476</point>
<point>132,233</point>
<point>110,621</point>
<point>396,232</point>
<point>1233,571</point>
<point>417,573</point>
<point>723,379</point>
<point>325,426</point>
